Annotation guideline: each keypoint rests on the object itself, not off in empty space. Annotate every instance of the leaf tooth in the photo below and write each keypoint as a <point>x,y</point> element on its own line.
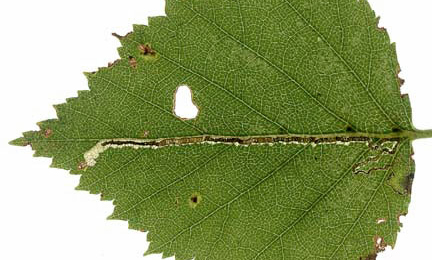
<point>21,141</point>
<point>156,20</point>
<point>89,75</point>
<point>137,28</point>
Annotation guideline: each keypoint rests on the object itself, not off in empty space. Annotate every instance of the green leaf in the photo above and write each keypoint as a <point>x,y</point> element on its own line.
<point>301,148</point>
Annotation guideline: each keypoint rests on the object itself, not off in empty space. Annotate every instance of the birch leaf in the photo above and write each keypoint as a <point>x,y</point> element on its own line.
<point>301,148</point>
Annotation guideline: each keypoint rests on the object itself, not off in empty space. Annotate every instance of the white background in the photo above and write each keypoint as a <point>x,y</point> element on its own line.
<point>44,47</point>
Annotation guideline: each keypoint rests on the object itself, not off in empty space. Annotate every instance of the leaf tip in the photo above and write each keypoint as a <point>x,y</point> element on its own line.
<point>112,217</point>
<point>88,74</point>
<point>19,142</point>
<point>148,252</point>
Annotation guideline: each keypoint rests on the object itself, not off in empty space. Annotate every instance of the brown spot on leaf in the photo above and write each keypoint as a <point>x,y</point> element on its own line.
<point>82,166</point>
<point>195,199</point>
<point>48,132</point>
<point>407,183</point>
<point>132,62</point>
<point>146,50</point>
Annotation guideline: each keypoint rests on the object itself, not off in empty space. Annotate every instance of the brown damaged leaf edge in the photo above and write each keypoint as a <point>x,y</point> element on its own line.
<point>370,257</point>
<point>380,246</point>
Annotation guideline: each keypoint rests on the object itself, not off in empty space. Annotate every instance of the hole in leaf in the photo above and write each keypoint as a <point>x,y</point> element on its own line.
<point>380,244</point>
<point>183,104</point>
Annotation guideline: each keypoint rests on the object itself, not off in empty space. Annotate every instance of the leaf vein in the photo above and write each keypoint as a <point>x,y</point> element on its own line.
<point>344,61</point>
<point>298,84</point>
<point>313,205</point>
<point>268,176</point>
<point>366,207</point>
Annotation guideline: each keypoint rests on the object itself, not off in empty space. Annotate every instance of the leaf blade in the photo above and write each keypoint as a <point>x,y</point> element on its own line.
<point>318,92</point>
